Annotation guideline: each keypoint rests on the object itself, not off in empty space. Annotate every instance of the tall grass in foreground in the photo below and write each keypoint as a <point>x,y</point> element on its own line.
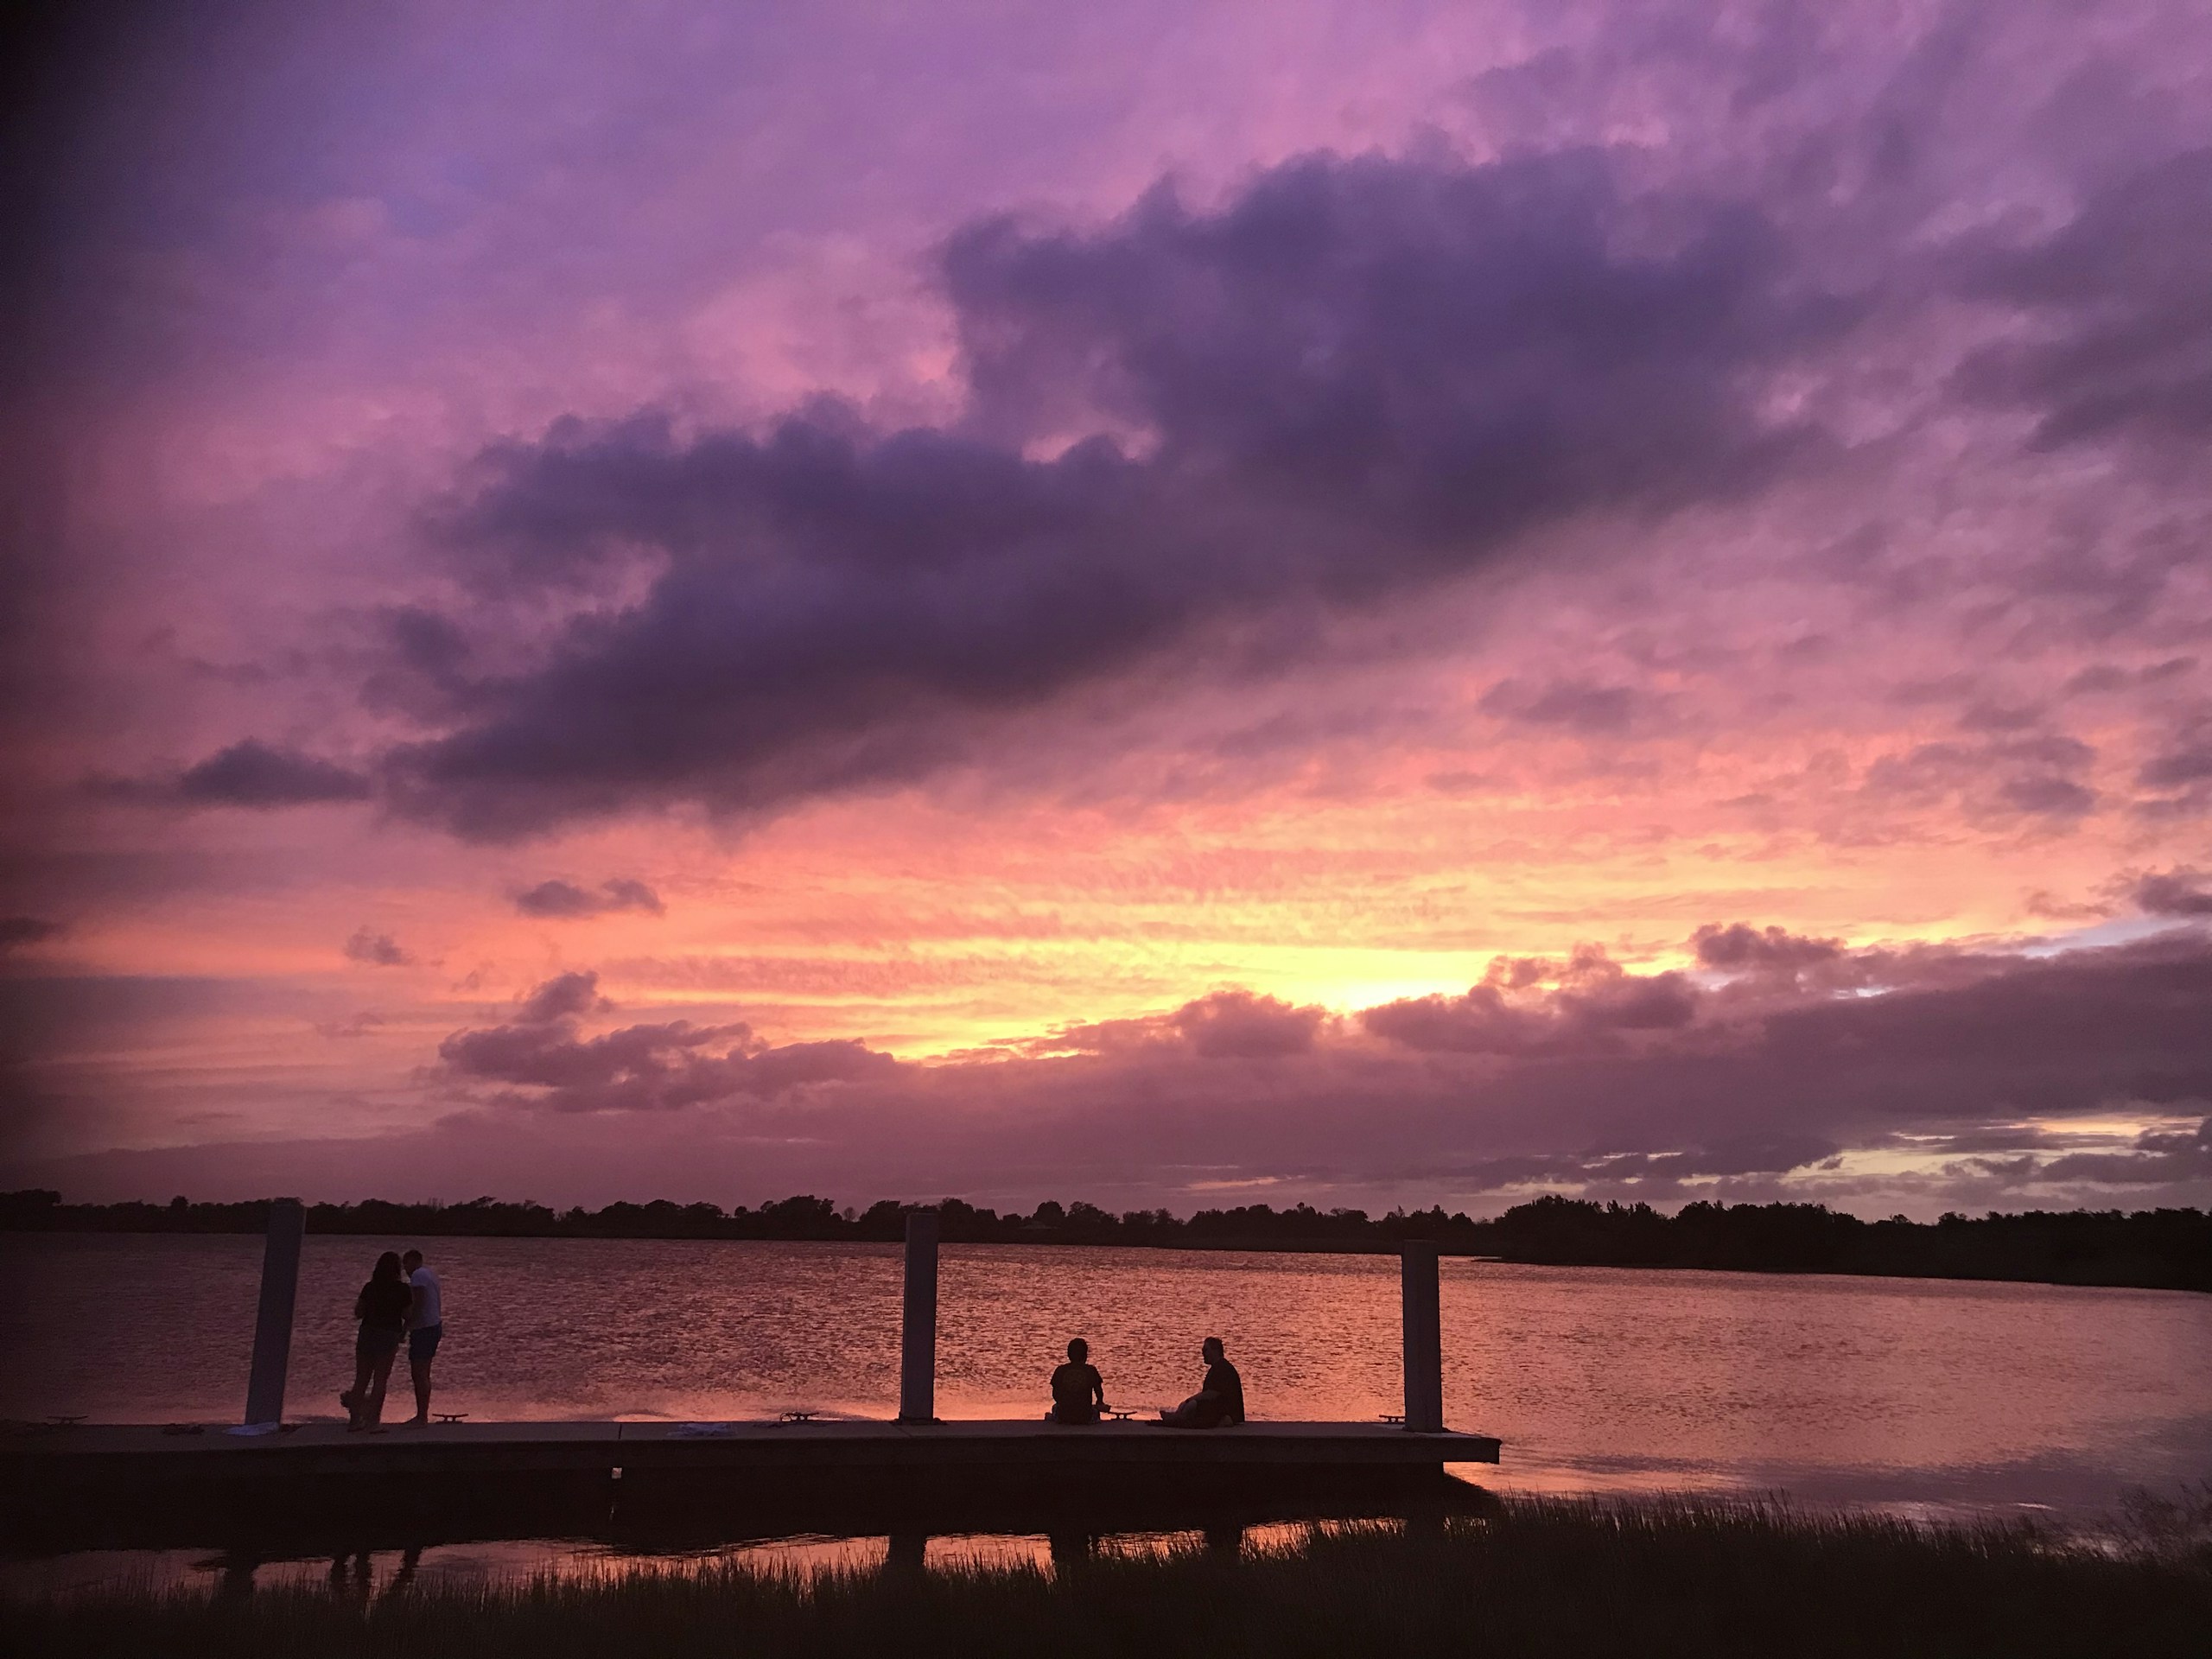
<point>1537,1576</point>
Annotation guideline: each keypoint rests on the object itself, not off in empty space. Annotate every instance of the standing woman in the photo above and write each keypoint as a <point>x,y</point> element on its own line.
<point>382,1307</point>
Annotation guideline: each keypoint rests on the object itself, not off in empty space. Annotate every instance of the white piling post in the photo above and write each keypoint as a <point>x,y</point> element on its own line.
<point>917,1335</point>
<point>1424,1336</point>
<point>272,1324</point>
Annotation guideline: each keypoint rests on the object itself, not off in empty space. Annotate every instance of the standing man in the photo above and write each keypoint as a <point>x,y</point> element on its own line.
<point>425,1325</point>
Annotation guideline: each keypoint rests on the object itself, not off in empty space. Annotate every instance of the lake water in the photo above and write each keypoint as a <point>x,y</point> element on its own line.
<point>1919,1394</point>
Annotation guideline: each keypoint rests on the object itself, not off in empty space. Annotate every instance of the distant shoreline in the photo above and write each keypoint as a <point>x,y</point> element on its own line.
<point>2161,1249</point>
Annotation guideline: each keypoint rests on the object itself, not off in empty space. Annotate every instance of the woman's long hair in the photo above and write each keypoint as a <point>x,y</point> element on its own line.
<point>387,1266</point>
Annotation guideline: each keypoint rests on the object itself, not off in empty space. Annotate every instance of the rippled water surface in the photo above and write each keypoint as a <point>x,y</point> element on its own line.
<point>1888,1391</point>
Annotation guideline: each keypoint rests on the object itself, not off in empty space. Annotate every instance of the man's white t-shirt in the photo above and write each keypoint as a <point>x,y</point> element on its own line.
<point>427,1312</point>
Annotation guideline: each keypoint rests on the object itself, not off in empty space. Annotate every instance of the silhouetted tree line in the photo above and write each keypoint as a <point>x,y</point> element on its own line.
<point>2155,1249</point>
<point>2168,1249</point>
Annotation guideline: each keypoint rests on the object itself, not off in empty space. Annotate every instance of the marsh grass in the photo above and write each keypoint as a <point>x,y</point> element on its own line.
<point>1535,1577</point>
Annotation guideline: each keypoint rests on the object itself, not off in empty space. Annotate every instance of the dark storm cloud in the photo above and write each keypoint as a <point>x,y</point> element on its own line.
<point>1439,351</point>
<point>426,676</point>
<point>1989,1042</point>
<point>1740,945</point>
<point>1596,1075</point>
<point>2176,893</point>
<point>2126,289</point>
<point>565,901</point>
<point>1237,1025</point>
<point>1595,1003</point>
<point>1356,377</point>
<point>2054,1036</point>
<point>256,774</point>
<point>543,1053</point>
<point>2155,1160</point>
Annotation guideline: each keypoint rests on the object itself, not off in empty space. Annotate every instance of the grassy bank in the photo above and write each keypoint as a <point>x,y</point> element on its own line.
<point>1535,1578</point>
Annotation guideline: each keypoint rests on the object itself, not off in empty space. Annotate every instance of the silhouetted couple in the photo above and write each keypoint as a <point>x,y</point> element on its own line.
<point>402,1299</point>
<point>1079,1393</point>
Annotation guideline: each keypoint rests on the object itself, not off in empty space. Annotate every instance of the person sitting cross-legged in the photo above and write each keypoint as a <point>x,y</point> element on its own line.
<point>1220,1403</point>
<point>1078,1393</point>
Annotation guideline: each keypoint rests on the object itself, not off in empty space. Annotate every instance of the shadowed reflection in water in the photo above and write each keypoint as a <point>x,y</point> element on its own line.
<point>360,1577</point>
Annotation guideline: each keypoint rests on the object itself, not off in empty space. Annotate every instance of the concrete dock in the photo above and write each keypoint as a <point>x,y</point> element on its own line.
<point>123,1452</point>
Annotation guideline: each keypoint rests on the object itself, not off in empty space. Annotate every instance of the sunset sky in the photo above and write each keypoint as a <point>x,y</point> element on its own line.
<point>1165,603</point>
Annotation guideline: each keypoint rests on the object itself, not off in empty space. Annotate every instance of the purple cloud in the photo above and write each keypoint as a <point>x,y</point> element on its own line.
<point>2187,764</point>
<point>252,774</point>
<point>1236,1025</point>
<point>1357,378</point>
<point>1739,945</point>
<point>2047,796</point>
<point>1578,706</point>
<point>663,1067</point>
<point>1595,1002</point>
<point>564,996</point>
<point>377,950</point>
<point>2034,775</point>
<point>2121,288</point>
<point>565,901</point>
<point>1596,1079</point>
<point>2175,892</point>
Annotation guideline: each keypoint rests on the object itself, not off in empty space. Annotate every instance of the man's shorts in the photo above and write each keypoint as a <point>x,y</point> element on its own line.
<point>422,1344</point>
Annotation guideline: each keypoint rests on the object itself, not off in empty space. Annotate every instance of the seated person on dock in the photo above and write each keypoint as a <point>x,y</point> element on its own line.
<point>1220,1403</point>
<point>1078,1393</point>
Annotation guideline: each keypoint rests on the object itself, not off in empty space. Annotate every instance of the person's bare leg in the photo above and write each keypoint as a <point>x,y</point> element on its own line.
<point>378,1384</point>
<point>364,1367</point>
<point>420,1371</point>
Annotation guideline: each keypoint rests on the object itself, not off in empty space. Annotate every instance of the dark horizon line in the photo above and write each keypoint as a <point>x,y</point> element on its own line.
<point>2166,1249</point>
